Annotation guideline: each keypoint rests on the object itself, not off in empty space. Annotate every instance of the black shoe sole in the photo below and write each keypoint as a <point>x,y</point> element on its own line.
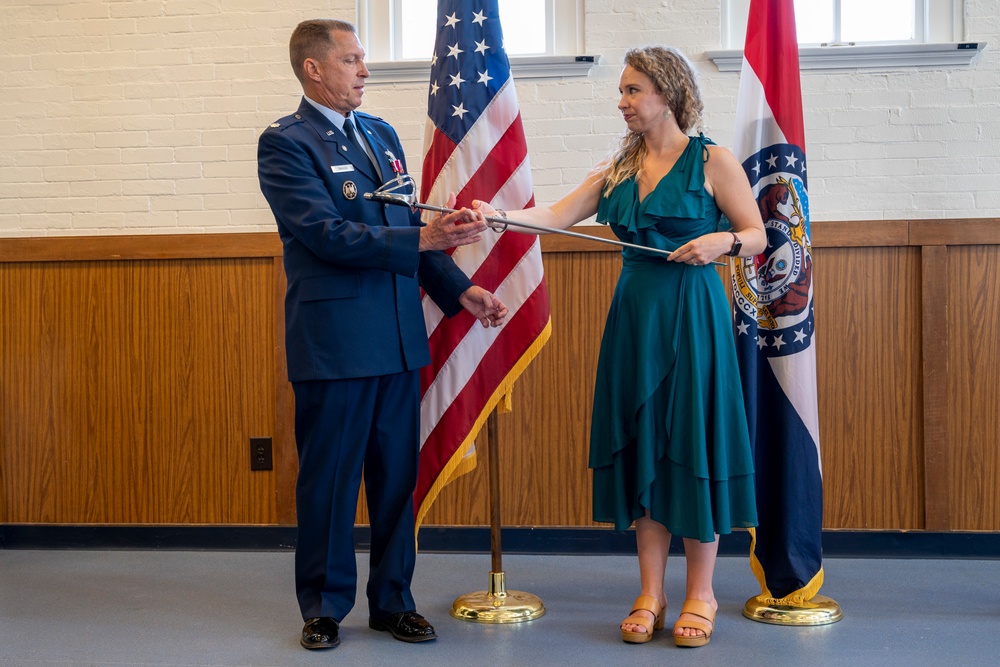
<point>315,646</point>
<point>384,627</point>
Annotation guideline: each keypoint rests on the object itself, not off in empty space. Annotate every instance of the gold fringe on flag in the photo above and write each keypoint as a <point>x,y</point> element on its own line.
<point>800,607</point>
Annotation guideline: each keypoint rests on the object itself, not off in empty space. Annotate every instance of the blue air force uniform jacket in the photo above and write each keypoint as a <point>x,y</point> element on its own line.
<point>352,307</point>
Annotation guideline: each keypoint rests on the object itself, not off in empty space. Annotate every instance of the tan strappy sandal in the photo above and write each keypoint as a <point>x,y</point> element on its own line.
<point>702,610</point>
<point>643,603</point>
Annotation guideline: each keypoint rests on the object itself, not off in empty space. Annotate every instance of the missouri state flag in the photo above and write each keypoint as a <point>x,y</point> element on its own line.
<point>773,314</point>
<point>474,145</point>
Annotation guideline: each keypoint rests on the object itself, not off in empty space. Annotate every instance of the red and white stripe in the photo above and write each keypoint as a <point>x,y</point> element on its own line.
<point>473,368</point>
<point>768,112</point>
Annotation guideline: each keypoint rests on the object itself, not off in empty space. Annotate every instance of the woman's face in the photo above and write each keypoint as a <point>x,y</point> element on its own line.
<point>641,105</point>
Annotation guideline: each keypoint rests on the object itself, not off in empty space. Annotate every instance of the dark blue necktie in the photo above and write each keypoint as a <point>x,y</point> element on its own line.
<point>352,136</point>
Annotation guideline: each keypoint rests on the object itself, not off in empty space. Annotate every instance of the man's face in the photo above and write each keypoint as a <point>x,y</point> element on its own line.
<point>338,80</point>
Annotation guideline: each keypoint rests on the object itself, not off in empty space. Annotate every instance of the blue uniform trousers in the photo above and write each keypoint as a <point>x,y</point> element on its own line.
<point>341,428</point>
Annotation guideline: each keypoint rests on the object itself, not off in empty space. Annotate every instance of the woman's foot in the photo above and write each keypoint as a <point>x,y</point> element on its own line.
<point>696,623</point>
<point>645,617</point>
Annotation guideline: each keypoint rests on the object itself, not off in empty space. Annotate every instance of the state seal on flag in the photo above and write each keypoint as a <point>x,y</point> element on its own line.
<point>774,289</point>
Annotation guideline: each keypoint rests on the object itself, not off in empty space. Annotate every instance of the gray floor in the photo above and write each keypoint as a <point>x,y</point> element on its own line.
<point>237,608</point>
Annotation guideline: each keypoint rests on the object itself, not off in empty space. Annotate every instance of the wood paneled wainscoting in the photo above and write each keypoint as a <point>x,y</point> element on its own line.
<point>135,369</point>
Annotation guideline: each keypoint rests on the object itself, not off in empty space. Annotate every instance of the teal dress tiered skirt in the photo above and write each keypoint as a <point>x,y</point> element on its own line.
<point>669,431</point>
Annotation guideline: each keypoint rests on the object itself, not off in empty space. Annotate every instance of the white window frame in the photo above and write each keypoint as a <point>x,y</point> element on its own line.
<point>940,27</point>
<point>565,41</point>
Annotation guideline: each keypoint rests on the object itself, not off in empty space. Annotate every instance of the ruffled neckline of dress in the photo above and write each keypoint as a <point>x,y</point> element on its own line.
<point>680,193</point>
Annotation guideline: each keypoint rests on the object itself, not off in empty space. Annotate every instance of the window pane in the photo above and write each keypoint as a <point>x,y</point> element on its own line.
<point>814,21</point>
<point>523,27</point>
<point>417,29</point>
<point>877,20</point>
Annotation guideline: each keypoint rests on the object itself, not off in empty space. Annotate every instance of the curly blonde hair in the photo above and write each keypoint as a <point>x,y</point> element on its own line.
<point>674,78</point>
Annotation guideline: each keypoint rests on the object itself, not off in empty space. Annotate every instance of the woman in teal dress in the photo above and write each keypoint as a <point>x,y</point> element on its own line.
<point>669,445</point>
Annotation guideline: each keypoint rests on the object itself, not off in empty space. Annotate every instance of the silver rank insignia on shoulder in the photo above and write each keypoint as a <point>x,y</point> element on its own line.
<point>350,190</point>
<point>275,124</point>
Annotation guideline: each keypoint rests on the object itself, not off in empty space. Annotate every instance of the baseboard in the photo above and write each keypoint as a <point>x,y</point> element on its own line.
<point>465,539</point>
<point>159,537</point>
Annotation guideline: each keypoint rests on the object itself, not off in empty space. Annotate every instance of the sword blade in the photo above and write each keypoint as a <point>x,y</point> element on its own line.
<point>504,222</point>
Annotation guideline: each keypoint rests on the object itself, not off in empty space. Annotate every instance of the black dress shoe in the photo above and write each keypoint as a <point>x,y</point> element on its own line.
<point>406,626</point>
<point>323,632</point>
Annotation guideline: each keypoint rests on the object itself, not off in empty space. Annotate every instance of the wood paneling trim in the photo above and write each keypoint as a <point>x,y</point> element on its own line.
<point>974,231</point>
<point>286,464</point>
<point>826,234</point>
<point>159,246</point>
<point>934,330</point>
<point>860,234</point>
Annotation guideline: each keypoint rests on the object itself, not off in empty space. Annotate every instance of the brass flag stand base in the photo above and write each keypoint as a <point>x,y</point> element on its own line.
<point>820,610</point>
<point>496,605</point>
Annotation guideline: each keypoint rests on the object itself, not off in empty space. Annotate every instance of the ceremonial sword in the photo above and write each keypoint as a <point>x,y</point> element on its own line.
<point>391,196</point>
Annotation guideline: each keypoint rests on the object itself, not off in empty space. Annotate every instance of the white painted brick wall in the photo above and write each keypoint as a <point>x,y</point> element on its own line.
<point>133,116</point>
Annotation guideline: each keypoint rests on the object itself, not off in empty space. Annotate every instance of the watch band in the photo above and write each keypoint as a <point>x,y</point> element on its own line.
<point>737,246</point>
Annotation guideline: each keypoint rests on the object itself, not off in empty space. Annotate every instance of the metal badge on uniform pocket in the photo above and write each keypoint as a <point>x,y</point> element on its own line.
<point>350,190</point>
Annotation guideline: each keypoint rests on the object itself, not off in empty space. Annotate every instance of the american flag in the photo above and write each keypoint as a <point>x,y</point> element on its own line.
<point>773,315</point>
<point>474,146</point>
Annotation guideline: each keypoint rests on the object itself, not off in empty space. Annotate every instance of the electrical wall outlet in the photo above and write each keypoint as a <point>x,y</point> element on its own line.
<point>261,455</point>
